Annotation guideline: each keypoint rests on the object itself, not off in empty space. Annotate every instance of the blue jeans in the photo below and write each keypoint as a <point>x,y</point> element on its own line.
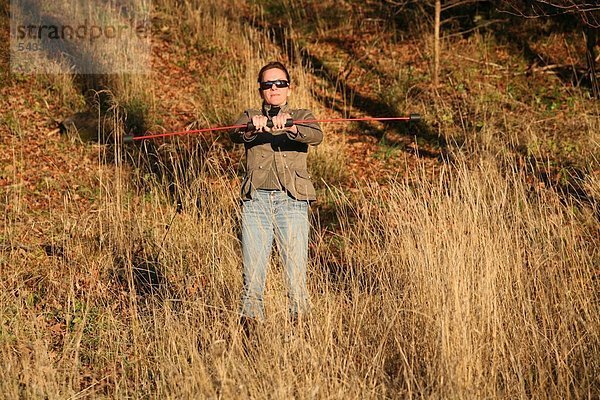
<point>274,214</point>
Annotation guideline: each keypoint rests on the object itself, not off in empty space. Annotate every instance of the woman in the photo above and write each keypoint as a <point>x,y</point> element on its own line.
<point>276,192</point>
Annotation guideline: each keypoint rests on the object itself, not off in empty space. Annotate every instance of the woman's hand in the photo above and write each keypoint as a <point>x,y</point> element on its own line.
<point>260,123</point>
<point>279,123</point>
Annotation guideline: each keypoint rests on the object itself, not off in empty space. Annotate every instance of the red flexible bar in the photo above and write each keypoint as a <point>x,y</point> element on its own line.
<point>412,117</point>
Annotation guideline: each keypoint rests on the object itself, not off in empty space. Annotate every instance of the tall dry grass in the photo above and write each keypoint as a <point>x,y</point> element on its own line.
<point>471,285</point>
<point>491,287</point>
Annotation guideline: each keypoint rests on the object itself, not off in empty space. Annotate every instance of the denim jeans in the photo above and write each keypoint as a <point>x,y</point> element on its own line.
<point>274,214</point>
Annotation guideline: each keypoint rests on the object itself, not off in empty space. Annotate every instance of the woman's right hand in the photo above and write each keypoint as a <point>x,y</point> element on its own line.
<point>260,123</point>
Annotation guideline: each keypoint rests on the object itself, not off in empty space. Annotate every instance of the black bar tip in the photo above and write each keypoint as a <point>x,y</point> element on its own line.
<point>415,117</point>
<point>128,139</point>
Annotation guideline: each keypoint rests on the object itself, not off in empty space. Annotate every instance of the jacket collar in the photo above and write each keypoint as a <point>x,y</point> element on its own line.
<point>266,107</point>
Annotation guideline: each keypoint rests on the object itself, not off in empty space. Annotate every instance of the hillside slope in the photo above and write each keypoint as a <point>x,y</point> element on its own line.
<point>454,258</point>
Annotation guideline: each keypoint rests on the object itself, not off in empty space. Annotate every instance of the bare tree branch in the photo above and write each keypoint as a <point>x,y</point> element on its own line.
<point>588,13</point>
<point>457,3</point>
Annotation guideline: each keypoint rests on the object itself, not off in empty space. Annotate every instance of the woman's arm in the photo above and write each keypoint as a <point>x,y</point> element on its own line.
<point>309,133</point>
<point>240,135</point>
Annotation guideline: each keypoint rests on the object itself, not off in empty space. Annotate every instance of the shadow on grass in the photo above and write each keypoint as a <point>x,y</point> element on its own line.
<point>565,178</point>
<point>574,75</point>
<point>4,43</point>
<point>141,271</point>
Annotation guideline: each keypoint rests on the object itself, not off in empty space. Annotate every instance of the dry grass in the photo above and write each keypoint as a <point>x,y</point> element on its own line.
<point>470,284</point>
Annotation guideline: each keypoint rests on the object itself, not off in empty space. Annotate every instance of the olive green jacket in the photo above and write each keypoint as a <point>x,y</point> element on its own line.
<point>283,151</point>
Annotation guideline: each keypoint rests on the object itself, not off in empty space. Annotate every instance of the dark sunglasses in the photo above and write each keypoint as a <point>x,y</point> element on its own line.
<point>278,83</point>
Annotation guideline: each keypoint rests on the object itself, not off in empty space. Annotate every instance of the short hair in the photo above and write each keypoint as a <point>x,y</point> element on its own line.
<point>273,65</point>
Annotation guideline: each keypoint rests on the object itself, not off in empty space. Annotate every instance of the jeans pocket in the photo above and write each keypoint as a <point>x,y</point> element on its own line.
<point>300,206</point>
<point>248,205</point>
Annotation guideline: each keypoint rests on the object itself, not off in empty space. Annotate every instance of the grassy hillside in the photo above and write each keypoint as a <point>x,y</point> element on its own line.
<point>453,258</point>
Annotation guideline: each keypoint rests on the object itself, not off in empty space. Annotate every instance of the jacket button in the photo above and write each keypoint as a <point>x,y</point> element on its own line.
<point>260,167</point>
<point>285,155</point>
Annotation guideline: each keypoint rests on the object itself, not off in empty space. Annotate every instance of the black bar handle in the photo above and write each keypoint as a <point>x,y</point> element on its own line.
<point>250,127</point>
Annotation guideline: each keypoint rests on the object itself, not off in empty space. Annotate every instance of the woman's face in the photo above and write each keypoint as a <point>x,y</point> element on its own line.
<point>275,96</point>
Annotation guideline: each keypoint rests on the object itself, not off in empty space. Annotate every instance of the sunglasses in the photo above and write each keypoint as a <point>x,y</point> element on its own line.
<point>278,83</point>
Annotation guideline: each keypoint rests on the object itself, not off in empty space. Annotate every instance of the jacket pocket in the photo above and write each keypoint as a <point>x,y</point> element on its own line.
<point>303,185</point>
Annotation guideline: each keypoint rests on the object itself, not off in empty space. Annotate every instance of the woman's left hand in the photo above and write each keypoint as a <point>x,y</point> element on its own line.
<point>279,123</point>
